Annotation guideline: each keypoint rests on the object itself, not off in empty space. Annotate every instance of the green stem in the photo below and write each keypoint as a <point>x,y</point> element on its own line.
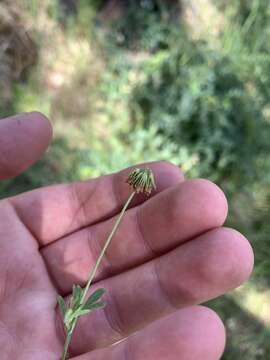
<point>66,346</point>
<point>93,272</point>
<point>67,341</point>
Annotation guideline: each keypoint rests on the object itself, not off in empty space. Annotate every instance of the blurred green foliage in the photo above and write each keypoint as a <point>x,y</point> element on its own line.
<point>198,100</point>
<point>146,25</point>
<point>133,84</point>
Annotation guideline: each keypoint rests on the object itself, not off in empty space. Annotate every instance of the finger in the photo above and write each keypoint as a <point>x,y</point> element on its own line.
<point>160,224</point>
<point>193,273</point>
<point>53,212</point>
<point>23,139</point>
<point>194,333</point>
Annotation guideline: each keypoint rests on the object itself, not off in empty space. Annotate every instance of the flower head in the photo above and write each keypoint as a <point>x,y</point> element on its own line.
<point>142,180</point>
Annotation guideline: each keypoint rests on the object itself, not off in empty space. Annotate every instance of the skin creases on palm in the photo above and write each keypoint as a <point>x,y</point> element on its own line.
<point>27,296</point>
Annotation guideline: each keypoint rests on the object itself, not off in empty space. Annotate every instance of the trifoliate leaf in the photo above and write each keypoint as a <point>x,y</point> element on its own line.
<point>62,305</point>
<point>94,298</point>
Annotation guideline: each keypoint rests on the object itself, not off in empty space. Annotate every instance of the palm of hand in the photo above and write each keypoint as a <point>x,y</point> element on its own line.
<point>27,311</point>
<point>169,254</point>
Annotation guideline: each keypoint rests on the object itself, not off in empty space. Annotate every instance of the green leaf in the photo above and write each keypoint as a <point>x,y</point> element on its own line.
<point>94,306</point>
<point>77,293</point>
<point>81,312</point>
<point>69,317</point>
<point>94,298</point>
<point>62,305</point>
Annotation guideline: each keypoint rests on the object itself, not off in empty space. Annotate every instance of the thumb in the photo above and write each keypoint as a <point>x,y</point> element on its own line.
<point>23,139</point>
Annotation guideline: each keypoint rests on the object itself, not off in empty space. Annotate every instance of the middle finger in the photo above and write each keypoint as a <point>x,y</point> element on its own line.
<point>160,224</point>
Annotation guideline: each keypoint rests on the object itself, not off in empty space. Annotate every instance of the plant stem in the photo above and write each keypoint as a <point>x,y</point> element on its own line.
<point>93,272</point>
<point>67,342</point>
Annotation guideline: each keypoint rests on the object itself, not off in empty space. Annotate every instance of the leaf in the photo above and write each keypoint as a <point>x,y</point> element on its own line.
<point>77,293</point>
<point>68,316</point>
<point>81,312</point>
<point>94,306</point>
<point>94,298</point>
<point>62,305</point>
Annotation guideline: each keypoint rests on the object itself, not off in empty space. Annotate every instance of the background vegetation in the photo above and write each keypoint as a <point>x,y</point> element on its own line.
<point>130,81</point>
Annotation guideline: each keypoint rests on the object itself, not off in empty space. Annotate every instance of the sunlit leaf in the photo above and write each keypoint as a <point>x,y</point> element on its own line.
<point>81,312</point>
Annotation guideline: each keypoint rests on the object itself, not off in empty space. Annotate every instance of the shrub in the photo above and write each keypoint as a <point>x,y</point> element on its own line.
<point>199,99</point>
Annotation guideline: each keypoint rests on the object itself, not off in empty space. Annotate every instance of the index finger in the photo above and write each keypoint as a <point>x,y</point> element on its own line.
<point>56,211</point>
<point>23,139</point>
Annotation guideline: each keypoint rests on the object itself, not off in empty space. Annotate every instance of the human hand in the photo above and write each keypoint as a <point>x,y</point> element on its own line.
<point>170,254</point>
